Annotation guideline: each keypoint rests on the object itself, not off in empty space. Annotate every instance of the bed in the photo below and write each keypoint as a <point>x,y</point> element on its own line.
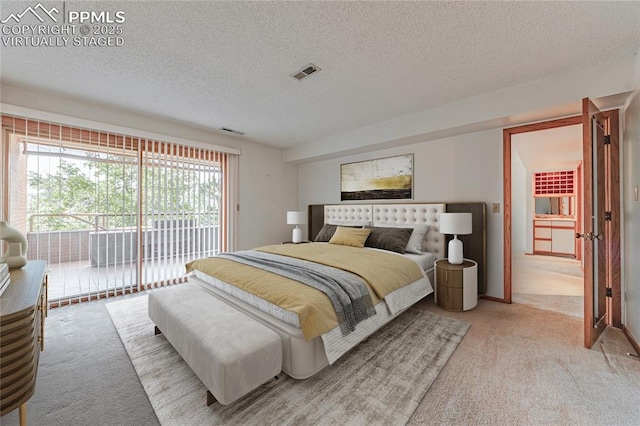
<point>303,356</point>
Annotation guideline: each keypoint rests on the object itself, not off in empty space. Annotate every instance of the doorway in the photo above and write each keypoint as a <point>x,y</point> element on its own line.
<point>601,249</point>
<point>546,267</point>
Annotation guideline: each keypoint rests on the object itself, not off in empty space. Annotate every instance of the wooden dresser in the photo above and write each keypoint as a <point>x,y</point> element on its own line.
<point>23,308</point>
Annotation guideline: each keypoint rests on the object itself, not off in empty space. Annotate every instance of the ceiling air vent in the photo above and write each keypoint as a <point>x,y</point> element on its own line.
<point>236,132</point>
<point>305,72</point>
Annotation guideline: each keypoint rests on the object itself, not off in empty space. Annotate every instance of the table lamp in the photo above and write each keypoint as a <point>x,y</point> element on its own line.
<point>455,224</point>
<point>296,218</point>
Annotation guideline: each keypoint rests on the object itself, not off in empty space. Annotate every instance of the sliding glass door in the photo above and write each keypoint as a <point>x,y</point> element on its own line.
<point>109,213</point>
<point>81,210</point>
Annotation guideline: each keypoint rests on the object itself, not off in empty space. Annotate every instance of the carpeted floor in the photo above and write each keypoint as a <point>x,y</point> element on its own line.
<point>382,380</point>
<point>550,283</point>
<point>85,376</point>
<point>517,365</point>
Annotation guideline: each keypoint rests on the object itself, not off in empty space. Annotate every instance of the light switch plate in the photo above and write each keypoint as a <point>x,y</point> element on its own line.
<point>496,207</point>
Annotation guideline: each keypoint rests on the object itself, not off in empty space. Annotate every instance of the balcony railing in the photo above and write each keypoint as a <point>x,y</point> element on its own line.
<point>103,257</point>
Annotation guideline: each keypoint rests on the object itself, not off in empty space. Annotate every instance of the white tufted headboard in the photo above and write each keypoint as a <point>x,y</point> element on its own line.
<point>361,214</point>
<point>392,215</point>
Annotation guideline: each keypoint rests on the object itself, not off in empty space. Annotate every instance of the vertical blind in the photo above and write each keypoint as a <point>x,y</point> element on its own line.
<point>183,199</point>
<point>111,213</point>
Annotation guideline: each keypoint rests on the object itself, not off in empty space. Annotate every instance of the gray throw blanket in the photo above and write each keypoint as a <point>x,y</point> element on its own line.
<point>347,292</point>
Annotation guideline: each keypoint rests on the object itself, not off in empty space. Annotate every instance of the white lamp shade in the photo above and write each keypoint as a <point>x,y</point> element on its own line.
<point>296,218</point>
<point>455,223</point>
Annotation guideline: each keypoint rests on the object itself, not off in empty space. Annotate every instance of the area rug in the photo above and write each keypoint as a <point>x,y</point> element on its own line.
<point>381,381</point>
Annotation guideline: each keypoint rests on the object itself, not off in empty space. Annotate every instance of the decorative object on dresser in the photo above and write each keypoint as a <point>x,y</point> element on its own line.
<point>388,178</point>
<point>455,224</point>
<point>23,308</point>
<point>16,253</point>
<point>456,286</point>
<point>296,218</point>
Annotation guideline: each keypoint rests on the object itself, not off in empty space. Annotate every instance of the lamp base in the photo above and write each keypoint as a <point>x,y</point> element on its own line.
<point>455,251</point>
<point>297,235</point>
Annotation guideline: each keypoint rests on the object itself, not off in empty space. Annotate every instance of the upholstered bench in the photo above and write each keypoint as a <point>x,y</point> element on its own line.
<point>230,353</point>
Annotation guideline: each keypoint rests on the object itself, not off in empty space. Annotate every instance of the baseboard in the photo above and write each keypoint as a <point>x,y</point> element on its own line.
<point>493,299</point>
<point>633,341</point>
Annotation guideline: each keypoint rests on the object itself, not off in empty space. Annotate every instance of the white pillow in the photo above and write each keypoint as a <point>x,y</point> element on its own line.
<point>414,245</point>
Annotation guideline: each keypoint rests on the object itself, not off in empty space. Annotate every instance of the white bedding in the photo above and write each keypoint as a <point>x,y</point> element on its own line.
<point>289,317</point>
<point>335,344</point>
<point>424,260</point>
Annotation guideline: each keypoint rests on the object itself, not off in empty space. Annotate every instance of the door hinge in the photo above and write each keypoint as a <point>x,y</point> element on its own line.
<point>607,215</point>
<point>609,292</point>
<point>607,140</point>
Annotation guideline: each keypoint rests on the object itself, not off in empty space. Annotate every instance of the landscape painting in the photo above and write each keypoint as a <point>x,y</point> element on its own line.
<point>388,178</point>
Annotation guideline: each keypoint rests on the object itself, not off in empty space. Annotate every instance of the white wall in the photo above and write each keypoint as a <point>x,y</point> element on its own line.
<point>529,209</point>
<point>543,99</point>
<point>631,217</point>
<point>460,168</point>
<point>267,186</point>
<point>519,204</point>
<point>457,157</point>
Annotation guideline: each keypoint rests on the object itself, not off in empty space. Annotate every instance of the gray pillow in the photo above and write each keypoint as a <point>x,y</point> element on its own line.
<point>325,233</point>
<point>391,239</point>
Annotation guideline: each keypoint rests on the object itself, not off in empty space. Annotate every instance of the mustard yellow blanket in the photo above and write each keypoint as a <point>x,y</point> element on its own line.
<point>384,272</point>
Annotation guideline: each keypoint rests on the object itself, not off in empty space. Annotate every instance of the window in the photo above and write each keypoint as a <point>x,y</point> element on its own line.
<point>111,213</point>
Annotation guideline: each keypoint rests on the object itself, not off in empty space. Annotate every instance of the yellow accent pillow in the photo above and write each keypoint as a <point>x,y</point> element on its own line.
<point>353,237</point>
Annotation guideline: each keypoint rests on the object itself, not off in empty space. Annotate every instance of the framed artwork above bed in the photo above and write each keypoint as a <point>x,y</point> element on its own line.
<point>389,178</point>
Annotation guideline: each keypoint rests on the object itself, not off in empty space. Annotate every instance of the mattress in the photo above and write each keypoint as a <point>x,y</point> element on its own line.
<point>302,358</point>
<point>425,260</point>
<point>334,343</point>
<point>396,301</point>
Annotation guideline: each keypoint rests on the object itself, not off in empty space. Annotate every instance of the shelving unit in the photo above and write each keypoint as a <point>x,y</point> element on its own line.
<point>554,183</point>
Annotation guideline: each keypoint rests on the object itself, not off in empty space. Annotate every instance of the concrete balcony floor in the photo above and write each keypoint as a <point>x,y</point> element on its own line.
<point>71,280</point>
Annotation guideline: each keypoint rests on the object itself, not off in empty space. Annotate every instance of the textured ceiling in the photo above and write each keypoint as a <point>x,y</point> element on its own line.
<point>227,64</point>
<point>548,148</point>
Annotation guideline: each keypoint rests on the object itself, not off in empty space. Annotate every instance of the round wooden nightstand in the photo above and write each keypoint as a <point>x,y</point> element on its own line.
<point>456,285</point>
